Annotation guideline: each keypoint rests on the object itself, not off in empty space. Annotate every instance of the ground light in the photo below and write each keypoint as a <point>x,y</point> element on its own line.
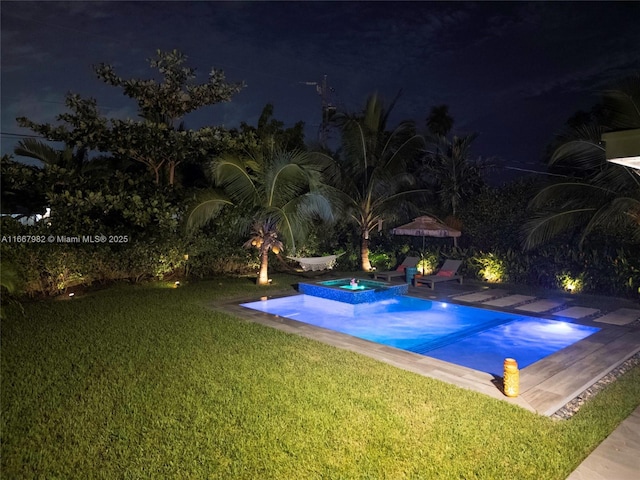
<point>493,269</point>
<point>570,283</point>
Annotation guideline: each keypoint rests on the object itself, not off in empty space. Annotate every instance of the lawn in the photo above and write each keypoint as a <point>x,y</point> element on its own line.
<point>147,382</point>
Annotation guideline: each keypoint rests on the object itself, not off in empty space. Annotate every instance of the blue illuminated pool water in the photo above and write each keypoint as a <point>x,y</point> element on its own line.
<point>473,337</point>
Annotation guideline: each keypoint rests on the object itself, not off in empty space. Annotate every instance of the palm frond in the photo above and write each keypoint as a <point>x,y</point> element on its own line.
<point>205,207</point>
<point>287,178</point>
<point>32,148</point>
<point>618,178</point>
<point>232,175</point>
<point>623,104</point>
<point>568,193</point>
<point>315,206</point>
<point>584,154</point>
<point>544,227</point>
<point>613,216</point>
<point>298,216</point>
<point>398,158</point>
<point>608,198</point>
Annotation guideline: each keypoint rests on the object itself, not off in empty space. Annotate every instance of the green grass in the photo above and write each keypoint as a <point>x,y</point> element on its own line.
<point>146,382</point>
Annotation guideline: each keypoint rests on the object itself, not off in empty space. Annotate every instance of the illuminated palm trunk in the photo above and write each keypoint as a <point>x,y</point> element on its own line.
<point>364,252</point>
<point>263,276</point>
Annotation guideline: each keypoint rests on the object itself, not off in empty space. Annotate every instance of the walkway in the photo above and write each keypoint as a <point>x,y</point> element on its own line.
<point>617,458</point>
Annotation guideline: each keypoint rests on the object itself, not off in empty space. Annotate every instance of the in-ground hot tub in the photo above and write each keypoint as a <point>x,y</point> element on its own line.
<point>347,291</point>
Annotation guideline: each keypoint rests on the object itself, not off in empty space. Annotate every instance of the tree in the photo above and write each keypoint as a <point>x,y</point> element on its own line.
<point>373,181</point>
<point>157,141</point>
<point>439,122</point>
<point>22,188</point>
<point>271,132</point>
<point>450,171</point>
<point>282,189</point>
<point>604,196</point>
<point>81,200</point>
<point>264,236</point>
<point>165,104</point>
<point>63,167</point>
<point>494,217</point>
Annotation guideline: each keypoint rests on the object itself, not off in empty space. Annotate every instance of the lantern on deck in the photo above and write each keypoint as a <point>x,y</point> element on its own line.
<point>511,378</point>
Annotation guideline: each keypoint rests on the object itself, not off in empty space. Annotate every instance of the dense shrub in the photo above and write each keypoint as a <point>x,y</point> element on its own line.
<point>601,271</point>
<point>50,268</point>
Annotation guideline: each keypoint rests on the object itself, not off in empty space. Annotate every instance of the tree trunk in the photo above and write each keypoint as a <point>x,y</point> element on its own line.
<point>156,171</point>
<point>172,172</point>
<point>364,252</point>
<point>263,276</point>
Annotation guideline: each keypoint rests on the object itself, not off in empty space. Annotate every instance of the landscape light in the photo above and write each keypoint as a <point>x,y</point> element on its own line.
<point>511,378</point>
<point>623,147</point>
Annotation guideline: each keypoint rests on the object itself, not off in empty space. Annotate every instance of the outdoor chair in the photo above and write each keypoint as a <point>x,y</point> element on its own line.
<point>448,272</point>
<point>408,262</point>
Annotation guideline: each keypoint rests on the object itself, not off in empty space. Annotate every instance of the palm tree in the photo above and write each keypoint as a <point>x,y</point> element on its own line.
<point>283,189</point>
<point>66,166</point>
<point>606,195</point>
<point>452,175</point>
<point>373,180</point>
<point>264,236</point>
<point>439,122</point>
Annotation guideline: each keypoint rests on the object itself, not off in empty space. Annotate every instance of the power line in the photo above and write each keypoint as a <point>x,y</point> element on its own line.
<point>535,171</point>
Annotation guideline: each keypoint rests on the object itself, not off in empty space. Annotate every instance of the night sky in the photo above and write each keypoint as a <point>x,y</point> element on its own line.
<point>511,71</point>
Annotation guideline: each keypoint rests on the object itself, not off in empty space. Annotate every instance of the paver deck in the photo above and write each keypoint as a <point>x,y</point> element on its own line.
<point>541,306</point>
<point>622,316</point>
<point>576,312</point>
<point>481,296</point>
<point>509,301</point>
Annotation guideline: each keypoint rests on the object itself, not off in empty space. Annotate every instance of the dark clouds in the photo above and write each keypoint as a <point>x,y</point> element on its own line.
<point>512,71</point>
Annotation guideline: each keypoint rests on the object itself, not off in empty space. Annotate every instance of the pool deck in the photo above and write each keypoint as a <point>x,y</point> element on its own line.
<point>545,386</point>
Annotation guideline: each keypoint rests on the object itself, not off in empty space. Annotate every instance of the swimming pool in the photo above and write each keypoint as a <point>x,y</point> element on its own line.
<point>472,337</point>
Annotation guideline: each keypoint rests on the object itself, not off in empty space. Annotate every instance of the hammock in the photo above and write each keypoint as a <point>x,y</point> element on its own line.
<point>316,263</point>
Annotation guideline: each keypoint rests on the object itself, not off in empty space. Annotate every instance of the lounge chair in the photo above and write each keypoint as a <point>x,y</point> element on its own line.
<point>448,271</point>
<point>400,271</point>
